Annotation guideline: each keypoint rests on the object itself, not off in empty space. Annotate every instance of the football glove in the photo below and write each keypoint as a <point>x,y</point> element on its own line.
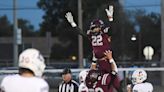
<point>110,12</point>
<point>69,18</point>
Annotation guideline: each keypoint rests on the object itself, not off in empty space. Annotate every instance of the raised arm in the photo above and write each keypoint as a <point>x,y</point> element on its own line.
<point>70,19</point>
<point>109,12</point>
<point>108,54</point>
<point>94,60</point>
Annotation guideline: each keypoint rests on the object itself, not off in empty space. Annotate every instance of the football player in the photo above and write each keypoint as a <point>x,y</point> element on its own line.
<point>31,67</point>
<point>139,82</point>
<point>82,77</point>
<point>98,82</point>
<point>100,38</point>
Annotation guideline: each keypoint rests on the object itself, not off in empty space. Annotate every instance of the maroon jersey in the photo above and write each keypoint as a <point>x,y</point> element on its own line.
<point>102,84</point>
<point>100,42</point>
<point>104,66</point>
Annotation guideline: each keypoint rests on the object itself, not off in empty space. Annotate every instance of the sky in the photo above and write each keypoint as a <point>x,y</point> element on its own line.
<point>34,16</point>
<point>147,5</point>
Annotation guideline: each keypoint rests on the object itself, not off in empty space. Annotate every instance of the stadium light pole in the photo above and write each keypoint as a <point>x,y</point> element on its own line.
<point>138,30</point>
<point>139,45</point>
<point>15,27</point>
<point>80,39</point>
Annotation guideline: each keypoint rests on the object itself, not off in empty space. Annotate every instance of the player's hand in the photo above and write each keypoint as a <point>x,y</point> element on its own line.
<point>69,17</point>
<point>109,12</point>
<point>108,54</point>
<point>129,88</point>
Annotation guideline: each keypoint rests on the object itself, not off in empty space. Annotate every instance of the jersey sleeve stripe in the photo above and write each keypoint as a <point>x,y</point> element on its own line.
<point>104,79</point>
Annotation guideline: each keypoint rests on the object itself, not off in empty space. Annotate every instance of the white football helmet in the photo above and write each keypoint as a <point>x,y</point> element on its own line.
<point>83,75</point>
<point>139,76</point>
<point>33,60</point>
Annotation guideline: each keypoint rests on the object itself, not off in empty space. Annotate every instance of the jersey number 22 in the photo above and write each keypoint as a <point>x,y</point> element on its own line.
<point>97,40</point>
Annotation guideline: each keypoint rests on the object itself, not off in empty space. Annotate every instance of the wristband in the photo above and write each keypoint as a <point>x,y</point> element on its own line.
<point>73,24</point>
<point>93,61</point>
<point>110,18</point>
<point>114,72</point>
<point>111,61</point>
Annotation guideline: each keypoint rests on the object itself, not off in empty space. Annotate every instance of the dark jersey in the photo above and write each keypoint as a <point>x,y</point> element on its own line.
<point>102,84</point>
<point>104,66</point>
<point>100,42</point>
<point>105,83</point>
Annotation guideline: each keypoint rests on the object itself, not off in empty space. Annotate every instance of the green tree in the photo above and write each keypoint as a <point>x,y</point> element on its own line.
<point>54,14</point>
<point>150,31</point>
<point>26,27</point>
<point>5,27</point>
<point>55,22</point>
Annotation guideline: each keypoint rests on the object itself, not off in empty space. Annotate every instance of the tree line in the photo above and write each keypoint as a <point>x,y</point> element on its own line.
<point>125,25</point>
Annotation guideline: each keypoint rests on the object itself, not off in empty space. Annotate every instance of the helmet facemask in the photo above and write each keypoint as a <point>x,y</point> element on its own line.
<point>139,76</point>
<point>92,77</point>
<point>96,26</point>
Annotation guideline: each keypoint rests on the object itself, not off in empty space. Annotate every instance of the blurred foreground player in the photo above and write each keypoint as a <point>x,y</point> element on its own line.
<point>139,82</point>
<point>31,67</point>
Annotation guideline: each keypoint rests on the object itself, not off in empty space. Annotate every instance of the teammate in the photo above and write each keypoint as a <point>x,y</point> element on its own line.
<point>100,38</point>
<point>82,76</point>
<point>31,67</point>
<point>139,82</point>
<point>102,82</point>
<point>96,82</point>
